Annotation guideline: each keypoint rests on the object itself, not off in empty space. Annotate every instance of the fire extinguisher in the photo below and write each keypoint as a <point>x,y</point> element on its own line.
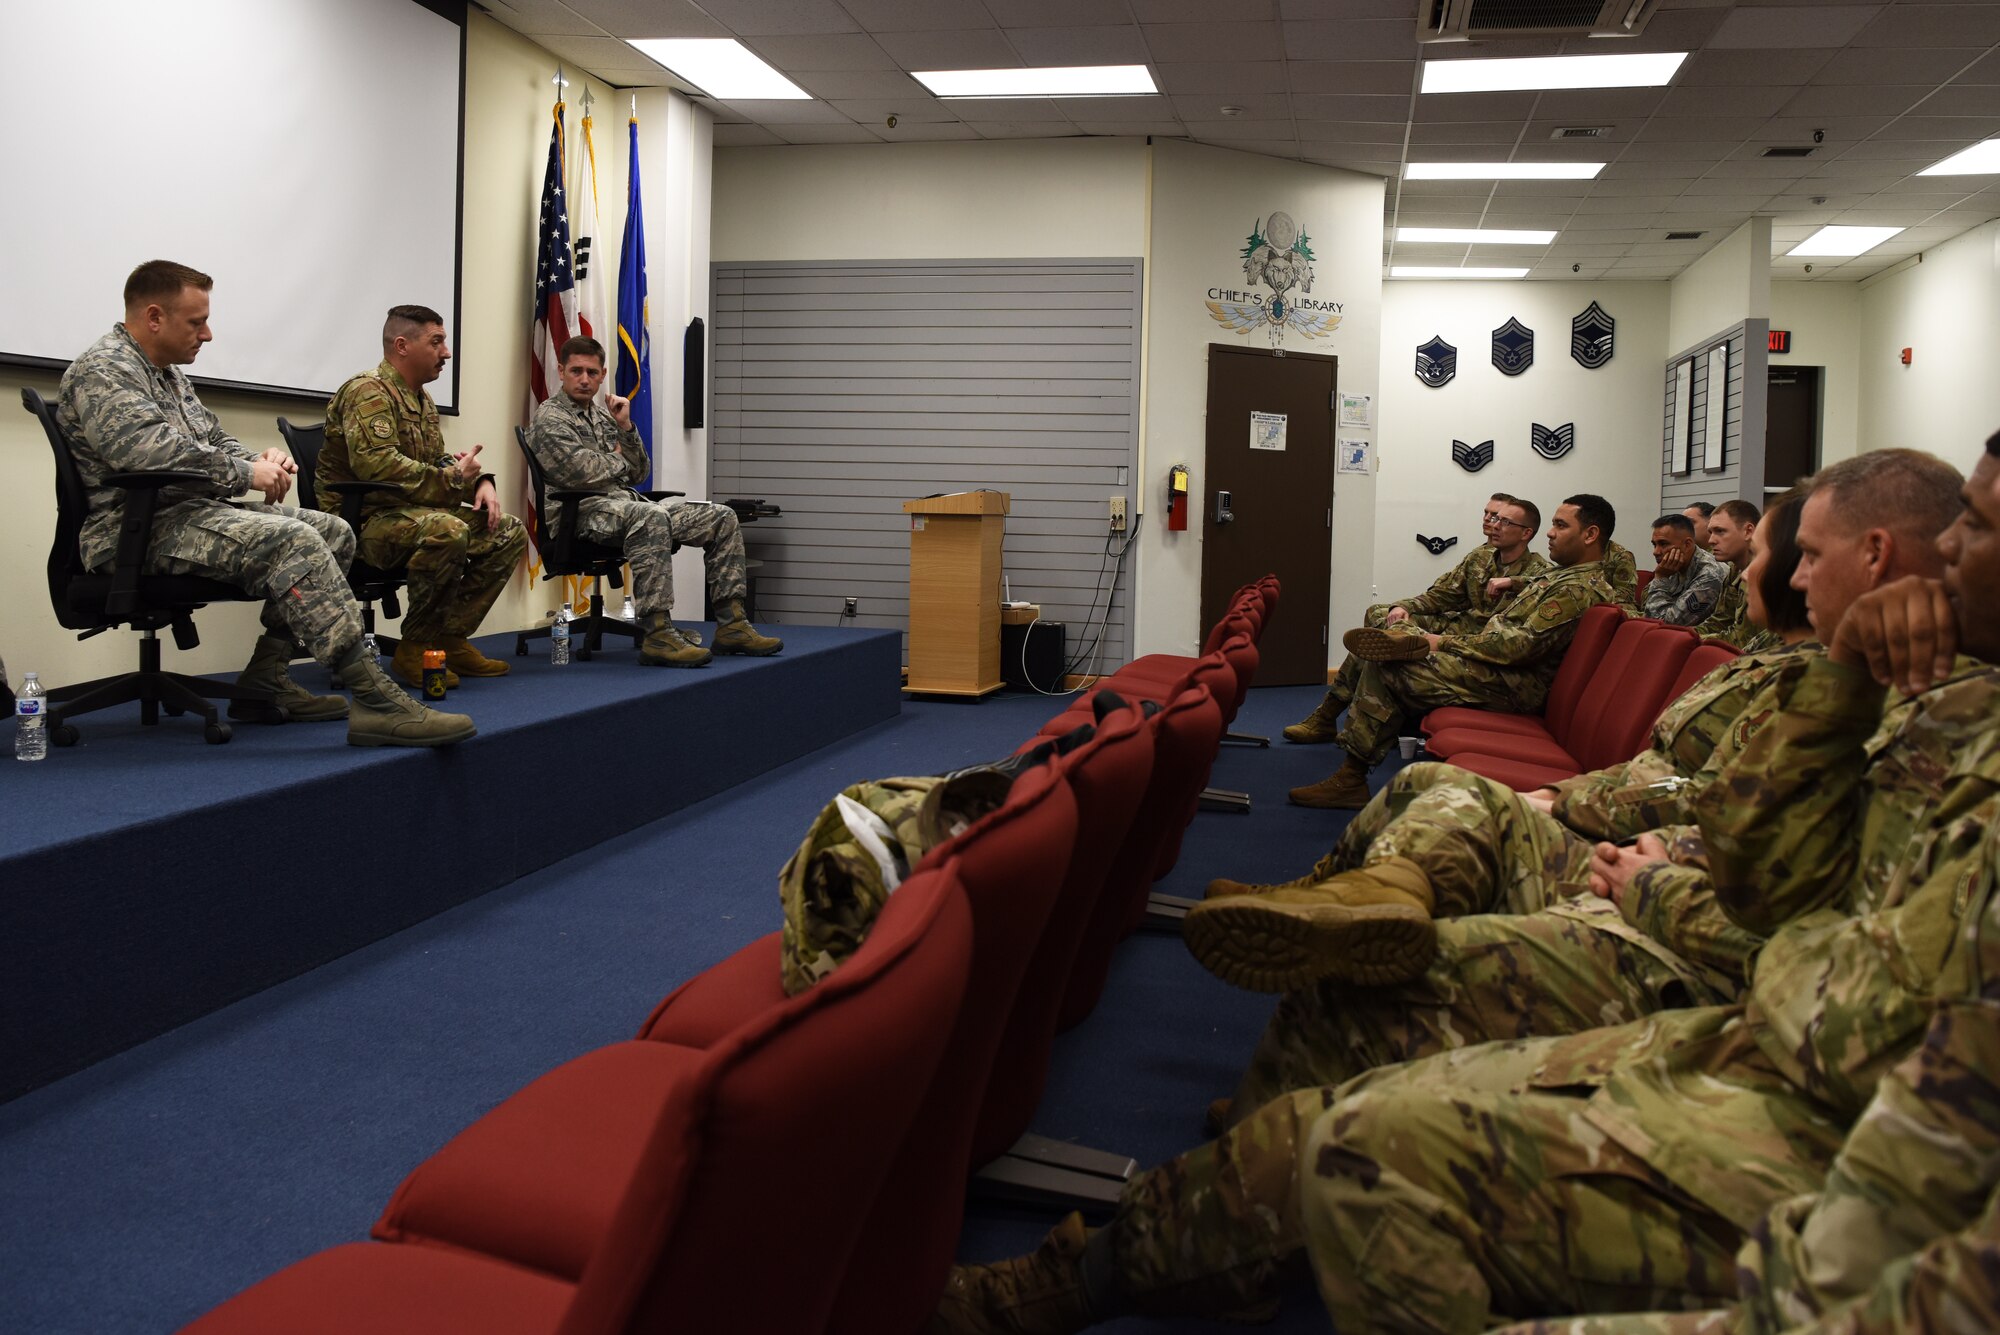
<point>1177,498</point>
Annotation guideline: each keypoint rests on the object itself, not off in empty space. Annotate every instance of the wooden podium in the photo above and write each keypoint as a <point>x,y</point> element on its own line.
<point>955,592</point>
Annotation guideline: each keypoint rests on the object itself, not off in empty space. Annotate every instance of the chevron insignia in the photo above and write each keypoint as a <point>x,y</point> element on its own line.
<point>1437,546</point>
<point>1472,458</point>
<point>1513,347</point>
<point>1590,336</point>
<point>1437,362</point>
<point>1552,442</point>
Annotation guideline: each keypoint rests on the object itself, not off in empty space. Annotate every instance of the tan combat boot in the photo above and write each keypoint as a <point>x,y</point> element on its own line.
<point>462,656</point>
<point>664,646</point>
<point>1222,886</point>
<point>1371,926</point>
<point>1346,789</point>
<point>1041,1293</point>
<point>384,716</point>
<point>1385,646</point>
<point>409,664</point>
<point>1320,726</point>
<point>269,670</point>
<point>735,635</point>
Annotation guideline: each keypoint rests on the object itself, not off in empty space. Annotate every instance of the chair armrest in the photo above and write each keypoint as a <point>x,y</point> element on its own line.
<point>661,495</point>
<point>352,494</point>
<point>156,479</point>
<point>135,530</point>
<point>567,496</point>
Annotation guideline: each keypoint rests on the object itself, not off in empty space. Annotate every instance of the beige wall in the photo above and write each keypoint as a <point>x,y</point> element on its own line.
<point>1946,310</point>
<point>1728,285</point>
<point>1825,320</point>
<point>508,94</point>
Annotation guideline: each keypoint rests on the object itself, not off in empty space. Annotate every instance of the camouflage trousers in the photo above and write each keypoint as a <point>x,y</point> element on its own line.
<point>1341,692</point>
<point>1525,951</point>
<point>296,560</point>
<point>1443,1195</point>
<point>648,533</point>
<point>456,565</point>
<point>1389,697</point>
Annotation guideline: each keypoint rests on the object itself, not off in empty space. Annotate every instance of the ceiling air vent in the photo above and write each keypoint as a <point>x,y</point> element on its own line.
<point>1580,132</point>
<point>1484,20</point>
<point>1804,151</point>
<point>1685,236</point>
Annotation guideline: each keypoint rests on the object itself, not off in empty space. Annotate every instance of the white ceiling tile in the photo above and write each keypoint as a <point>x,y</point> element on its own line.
<point>1541,189</point>
<point>830,84</point>
<point>590,51</point>
<point>1436,218</point>
<point>1042,109</point>
<point>1464,132</point>
<point>757,18</point>
<point>1885,170</point>
<point>1653,183</point>
<point>1964,26</point>
<point>1685,30</point>
<point>1737,173</point>
<point>1523,47</point>
<point>1839,130</point>
<point>1151,107</point>
<point>1334,9</point>
<point>1238,129</point>
<point>1471,106</point>
<point>1962,100</point>
<point>921,107</point>
<point>1386,77</point>
<point>1112,45</point>
<point>929,132</point>
<point>1362,166</point>
<point>1340,107</point>
<point>1134,129</point>
<point>1856,100</point>
<point>1629,204</point>
<point>1355,132</point>
<point>1583,106</point>
<point>1270,148</point>
<point>1207,106</point>
<point>1930,65</point>
<point>1881,217</point>
<point>649,18</point>
<point>1829,26</point>
<point>1985,71</point>
<point>1669,150</point>
<point>1200,11</point>
<point>1587,232</point>
<point>744,136</point>
<point>1759,68</point>
<point>828,134</point>
<point>1057,13</point>
<point>1222,77</point>
<point>1180,43</point>
<point>1760,103</point>
<point>646,78</point>
<point>827,51</point>
<point>1899,149</point>
<point>548,18</point>
<point>950,49</point>
<point>915,15</point>
<point>1570,251</point>
<point>773,112</point>
<point>1022,129</point>
<point>1699,129</point>
<point>1350,39</point>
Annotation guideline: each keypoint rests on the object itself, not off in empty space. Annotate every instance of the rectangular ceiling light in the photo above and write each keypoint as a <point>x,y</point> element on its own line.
<point>1425,271</point>
<point>722,67</point>
<point>1476,236</point>
<point>1048,81</point>
<point>1540,72</point>
<point>1843,240</point>
<point>1979,160</point>
<point>1501,171</point>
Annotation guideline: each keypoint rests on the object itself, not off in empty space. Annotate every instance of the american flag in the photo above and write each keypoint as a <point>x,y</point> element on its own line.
<point>555,283</point>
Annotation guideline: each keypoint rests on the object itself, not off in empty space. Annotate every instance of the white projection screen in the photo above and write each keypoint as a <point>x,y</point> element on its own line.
<point>306,153</point>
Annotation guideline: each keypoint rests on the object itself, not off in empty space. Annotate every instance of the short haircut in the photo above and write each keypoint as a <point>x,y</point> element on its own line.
<point>1707,508</point>
<point>1912,494</point>
<point>1594,512</point>
<point>1505,498</point>
<point>1741,511</point>
<point>1993,445</point>
<point>1678,522</point>
<point>403,321</point>
<point>583,345</point>
<point>162,280</point>
<point>1534,511</point>
<point>1778,538</point>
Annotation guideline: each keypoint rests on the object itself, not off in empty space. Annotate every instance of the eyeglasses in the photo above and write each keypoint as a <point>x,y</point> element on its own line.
<point>1492,518</point>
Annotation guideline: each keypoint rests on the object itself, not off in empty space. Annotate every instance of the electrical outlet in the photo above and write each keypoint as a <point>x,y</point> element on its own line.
<point>850,607</point>
<point>1117,514</point>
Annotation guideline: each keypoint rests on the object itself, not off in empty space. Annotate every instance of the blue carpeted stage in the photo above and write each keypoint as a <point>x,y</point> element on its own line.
<point>151,878</point>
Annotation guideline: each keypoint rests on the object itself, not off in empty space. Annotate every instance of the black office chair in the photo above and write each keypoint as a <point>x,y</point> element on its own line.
<point>370,584</point>
<point>565,554</point>
<point>92,603</point>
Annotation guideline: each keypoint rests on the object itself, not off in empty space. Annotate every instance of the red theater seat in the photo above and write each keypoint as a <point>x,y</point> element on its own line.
<point>1586,649</point>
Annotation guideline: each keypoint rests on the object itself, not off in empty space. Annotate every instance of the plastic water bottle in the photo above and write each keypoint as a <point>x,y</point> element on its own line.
<point>31,725</point>
<point>631,612</point>
<point>559,638</point>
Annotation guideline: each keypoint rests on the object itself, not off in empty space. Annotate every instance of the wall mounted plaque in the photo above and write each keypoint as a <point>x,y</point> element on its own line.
<point>1552,442</point>
<point>1590,337</point>
<point>1513,347</point>
<point>1437,363</point>
<point>1472,458</point>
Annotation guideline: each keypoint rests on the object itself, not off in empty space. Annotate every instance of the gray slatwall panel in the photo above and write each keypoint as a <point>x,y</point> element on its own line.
<point>1677,492</point>
<point>842,390</point>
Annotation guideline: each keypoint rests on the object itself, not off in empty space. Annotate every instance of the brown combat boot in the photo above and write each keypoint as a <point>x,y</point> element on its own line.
<point>1385,646</point>
<point>269,670</point>
<point>1346,789</point>
<point>462,656</point>
<point>1041,1293</point>
<point>1371,926</point>
<point>1320,726</point>
<point>1222,886</point>
<point>384,716</point>
<point>735,635</point>
<point>665,647</point>
<point>409,664</point>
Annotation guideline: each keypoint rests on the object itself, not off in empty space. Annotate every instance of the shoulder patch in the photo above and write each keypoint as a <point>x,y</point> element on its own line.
<point>381,429</point>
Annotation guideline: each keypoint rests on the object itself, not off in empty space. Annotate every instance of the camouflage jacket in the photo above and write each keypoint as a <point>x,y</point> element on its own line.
<point>378,429</point>
<point>1686,598</point>
<point>580,447</point>
<point>125,415</point>
<point>1460,593</point>
<point>1730,621</point>
<point>1623,573</point>
<point>1694,738</point>
<point>1531,632</point>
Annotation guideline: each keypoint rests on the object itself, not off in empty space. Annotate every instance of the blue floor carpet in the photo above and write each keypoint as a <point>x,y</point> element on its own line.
<point>140,1192</point>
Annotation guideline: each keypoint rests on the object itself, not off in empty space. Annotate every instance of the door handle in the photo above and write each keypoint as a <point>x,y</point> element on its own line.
<point>1223,514</point>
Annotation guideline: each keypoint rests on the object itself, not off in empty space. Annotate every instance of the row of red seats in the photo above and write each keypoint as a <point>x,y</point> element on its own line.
<point>759,1162</point>
<point>1618,674</point>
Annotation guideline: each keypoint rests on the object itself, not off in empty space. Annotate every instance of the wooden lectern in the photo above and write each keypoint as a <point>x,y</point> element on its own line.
<point>955,592</point>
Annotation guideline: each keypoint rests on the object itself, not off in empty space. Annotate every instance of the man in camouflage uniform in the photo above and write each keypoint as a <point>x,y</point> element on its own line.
<point>126,406</point>
<point>1459,602</point>
<point>1621,572</point>
<point>1618,1168</point>
<point>583,446</point>
<point>1509,662</point>
<point>382,426</point>
<point>1730,531</point>
<point>1686,579</point>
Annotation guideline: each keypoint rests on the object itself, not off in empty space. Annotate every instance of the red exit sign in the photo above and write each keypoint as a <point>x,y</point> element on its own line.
<point>1781,340</point>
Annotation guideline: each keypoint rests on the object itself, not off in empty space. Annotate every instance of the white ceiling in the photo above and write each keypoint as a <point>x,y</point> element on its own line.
<point>1893,87</point>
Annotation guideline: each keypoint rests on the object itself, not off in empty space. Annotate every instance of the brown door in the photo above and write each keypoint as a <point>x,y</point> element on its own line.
<point>1791,425</point>
<point>1270,453</point>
